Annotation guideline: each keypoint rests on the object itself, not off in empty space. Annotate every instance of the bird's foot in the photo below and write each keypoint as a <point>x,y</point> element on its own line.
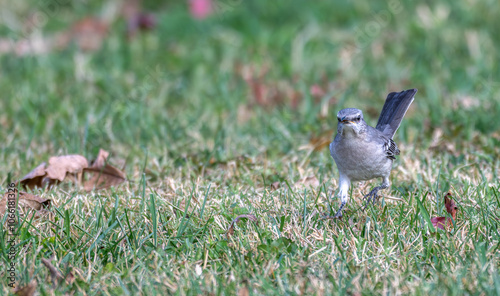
<point>372,196</point>
<point>338,215</point>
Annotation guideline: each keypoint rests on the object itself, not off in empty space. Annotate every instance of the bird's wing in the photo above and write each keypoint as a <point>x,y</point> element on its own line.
<point>391,149</point>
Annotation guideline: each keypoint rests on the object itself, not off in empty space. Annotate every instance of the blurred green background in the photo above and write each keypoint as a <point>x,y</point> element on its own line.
<point>217,105</point>
<point>253,77</point>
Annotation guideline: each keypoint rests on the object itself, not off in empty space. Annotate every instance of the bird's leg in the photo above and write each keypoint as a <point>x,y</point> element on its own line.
<point>344,184</point>
<point>342,205</point>
<point>373,194</point>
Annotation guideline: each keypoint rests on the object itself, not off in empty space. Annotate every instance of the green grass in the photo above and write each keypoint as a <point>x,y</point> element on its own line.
<point>175,105</point>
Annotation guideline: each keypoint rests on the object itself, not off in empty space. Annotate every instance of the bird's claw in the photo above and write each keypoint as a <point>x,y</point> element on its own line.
<point>372,196</point>
<point>338,215</point>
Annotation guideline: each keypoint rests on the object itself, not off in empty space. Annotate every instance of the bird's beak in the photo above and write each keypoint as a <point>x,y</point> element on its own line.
<point>347,121</point>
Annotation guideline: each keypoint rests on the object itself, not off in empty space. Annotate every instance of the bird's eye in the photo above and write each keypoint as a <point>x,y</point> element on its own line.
<point>338,119</point>
<point>358,118</point>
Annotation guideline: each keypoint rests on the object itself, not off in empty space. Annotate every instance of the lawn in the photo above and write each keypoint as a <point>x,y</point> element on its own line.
<point>231,115</point>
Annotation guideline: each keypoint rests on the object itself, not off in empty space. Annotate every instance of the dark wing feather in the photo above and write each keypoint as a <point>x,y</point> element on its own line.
<point>391,149</point>
<point>394,110</point>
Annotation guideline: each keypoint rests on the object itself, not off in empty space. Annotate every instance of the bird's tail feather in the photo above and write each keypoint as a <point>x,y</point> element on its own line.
<point>394,110</point>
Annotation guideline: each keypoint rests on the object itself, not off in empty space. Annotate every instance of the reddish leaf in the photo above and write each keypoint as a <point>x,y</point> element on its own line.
<point>450,205</point>
<point>451,208</point>
<point>438,222</point>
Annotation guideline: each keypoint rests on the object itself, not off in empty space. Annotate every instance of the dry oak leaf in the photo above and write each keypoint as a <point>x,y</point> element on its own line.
<point>100,161</point>
<point>451,208</point>
<point>230,230</point>
<point>55,172</point>
<point>35,178</point>
<point>60,166</point>
<point>25,200</point>
<point>102,175</point>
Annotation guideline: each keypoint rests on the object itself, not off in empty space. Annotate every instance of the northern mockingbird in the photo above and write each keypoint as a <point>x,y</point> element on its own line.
<point>362,152</point>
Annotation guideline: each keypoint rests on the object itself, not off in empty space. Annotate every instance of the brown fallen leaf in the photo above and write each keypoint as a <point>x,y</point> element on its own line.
<point>56,171</point>
<point>26,200</point>
<point>230,230</point>
<point>101,158</point>
<point>60,166</point>
<point>103,177</point>
<point>102,174</point>
<point>35,178</point>
<point>33,201</point>
<point>451,208</point>
<point>28,290</point>
<point>310,181</point>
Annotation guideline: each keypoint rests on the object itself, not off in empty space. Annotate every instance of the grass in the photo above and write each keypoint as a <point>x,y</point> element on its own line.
<point>176,106</point>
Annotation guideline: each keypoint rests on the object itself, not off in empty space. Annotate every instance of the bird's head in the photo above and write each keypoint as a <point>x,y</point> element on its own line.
<point>350,121</point>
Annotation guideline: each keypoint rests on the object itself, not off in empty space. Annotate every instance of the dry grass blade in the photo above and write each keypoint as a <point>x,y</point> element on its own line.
<point>54,273</point>
<point>28,290</point>
<point>319,142</point>
<point>230,230</point>
<point>310,181</point>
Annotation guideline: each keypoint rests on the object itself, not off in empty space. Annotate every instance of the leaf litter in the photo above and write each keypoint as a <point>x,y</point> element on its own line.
<point>25,201</point>
<point>451,208</point>
<point>99,175</point>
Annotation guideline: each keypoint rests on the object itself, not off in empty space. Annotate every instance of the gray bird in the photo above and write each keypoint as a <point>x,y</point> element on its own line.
<point>362,152</point>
